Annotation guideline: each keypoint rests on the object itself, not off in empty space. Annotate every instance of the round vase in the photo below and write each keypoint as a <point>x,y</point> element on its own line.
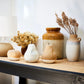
<point>73,48</point>
<point>4,48</point>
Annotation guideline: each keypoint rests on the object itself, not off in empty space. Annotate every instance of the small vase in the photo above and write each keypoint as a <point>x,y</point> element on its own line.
<point>31,54</point>
<point>23,50</point>
<point>73,48</point>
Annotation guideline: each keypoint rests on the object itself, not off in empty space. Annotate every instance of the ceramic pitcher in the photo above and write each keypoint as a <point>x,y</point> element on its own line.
<point>73,48</point>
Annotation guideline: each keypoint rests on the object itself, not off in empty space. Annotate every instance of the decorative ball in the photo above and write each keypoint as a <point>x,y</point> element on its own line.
<point>14,55</point>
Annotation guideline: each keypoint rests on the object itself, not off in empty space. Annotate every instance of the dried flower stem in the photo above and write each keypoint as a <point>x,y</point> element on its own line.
<point>69,24</point>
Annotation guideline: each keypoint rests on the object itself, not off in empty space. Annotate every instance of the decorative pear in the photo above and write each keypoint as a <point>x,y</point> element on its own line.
<point>49,55</point>
<point>31,54</point>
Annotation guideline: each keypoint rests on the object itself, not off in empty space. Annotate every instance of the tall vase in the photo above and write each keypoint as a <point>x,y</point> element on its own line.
<point>73,48</point>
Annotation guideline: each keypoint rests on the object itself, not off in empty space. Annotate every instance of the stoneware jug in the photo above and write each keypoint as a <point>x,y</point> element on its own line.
<point>73,48</point>
<point>31,54</point>
<point>56,38</point>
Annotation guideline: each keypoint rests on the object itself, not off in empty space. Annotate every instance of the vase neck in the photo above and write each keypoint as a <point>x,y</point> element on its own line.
<point>73,37</point>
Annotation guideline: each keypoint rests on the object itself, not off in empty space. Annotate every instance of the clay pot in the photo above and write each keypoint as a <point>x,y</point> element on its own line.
<point>73,48</point>
<point>23,50</point>
<point>54,37</point>
<point>4,48</point>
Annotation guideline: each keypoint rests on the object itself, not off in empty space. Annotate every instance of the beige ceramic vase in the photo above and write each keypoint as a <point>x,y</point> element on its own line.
<point>49,55</point>
<point>54,37</point>
<point>73,48</point>
<point>4,47</point>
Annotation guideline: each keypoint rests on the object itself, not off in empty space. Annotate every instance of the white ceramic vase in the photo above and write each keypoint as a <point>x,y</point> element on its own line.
<point>73,48</point>
<point>31,54</point>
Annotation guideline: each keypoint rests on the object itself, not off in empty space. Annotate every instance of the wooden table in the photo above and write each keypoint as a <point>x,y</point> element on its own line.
<point>61,72</point>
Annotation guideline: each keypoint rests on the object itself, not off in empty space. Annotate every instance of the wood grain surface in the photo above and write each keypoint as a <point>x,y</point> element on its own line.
<point>59,65</point>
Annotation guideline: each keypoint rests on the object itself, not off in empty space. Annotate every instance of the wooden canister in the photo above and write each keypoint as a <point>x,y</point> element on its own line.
<point>55,38</point>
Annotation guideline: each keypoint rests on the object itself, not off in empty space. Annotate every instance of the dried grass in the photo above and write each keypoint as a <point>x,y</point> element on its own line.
<point>69,24</point>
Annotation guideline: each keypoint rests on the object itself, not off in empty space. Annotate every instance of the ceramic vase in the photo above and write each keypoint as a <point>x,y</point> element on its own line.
<point>56,38</point>
<point>73,48</point>
<point>31,54</point>
<point>23,50</point>
<point>4,48</point>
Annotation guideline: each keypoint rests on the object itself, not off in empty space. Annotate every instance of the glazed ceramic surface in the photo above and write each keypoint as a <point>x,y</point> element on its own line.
<point>73,51</point>
<point>54,37</point>
<point>58,46</point>
<point>31,54</point>
<point>73,48</point>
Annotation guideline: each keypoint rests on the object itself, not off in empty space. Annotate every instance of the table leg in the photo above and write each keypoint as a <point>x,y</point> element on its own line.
<point>22,80</point>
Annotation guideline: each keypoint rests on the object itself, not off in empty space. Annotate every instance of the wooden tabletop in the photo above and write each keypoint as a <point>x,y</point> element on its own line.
<point>63,65</point>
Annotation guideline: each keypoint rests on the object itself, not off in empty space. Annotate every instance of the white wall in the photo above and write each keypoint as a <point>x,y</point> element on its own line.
<point>5,7</point>
<point>36,15</point>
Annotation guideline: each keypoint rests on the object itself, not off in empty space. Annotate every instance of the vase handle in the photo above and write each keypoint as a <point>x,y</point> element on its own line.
<point>79,39</point>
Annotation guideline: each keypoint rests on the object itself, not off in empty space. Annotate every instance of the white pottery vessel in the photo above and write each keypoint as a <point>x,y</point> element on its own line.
<point>73,48</point>
<point>31,54</point>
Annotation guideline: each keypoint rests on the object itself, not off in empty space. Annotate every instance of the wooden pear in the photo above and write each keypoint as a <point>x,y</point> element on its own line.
<point>49,55</point>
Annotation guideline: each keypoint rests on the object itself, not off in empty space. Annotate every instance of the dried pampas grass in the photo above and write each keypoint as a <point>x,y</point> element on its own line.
<point>69,24</point>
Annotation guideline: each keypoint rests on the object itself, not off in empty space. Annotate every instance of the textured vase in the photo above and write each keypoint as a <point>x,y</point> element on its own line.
<point>73,48</point>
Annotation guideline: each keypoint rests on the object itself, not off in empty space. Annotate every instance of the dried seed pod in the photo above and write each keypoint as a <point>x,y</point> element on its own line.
<point>59,21</point>
<point>64,17</point>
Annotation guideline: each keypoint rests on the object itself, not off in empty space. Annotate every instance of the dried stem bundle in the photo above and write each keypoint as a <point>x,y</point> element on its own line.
<point>69,24</point>
<point>23,39</point>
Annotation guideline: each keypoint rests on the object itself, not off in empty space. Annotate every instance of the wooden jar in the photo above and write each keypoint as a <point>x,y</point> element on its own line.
<point>55,38</point>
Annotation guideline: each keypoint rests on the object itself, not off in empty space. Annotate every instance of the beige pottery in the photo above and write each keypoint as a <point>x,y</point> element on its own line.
<point>73,48</point>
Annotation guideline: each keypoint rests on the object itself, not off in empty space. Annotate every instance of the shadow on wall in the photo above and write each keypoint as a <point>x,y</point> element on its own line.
<point>65,41</point>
